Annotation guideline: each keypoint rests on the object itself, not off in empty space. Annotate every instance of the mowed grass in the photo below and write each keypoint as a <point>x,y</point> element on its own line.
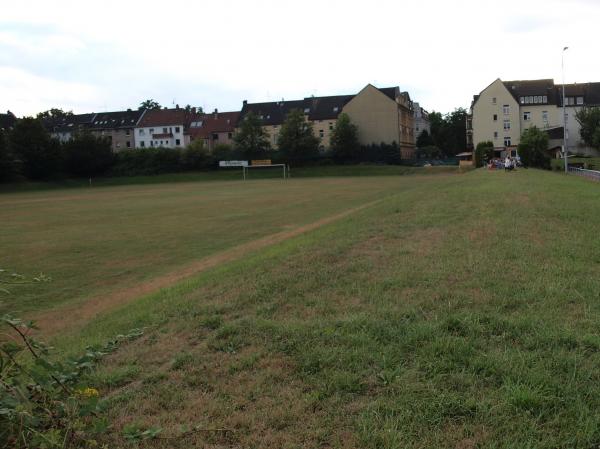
<point>461,312</point>
<point>95,241</point>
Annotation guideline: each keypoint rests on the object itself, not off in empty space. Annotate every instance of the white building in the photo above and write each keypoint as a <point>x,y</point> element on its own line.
<point>166,128</point>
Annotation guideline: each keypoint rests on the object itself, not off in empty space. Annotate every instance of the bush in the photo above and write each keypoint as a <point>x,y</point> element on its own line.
<point>483,153</point>
<point>533,148</point>
<point>195,156</point>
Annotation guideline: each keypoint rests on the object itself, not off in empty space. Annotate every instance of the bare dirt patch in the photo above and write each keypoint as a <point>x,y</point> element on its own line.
<point>75,315</point>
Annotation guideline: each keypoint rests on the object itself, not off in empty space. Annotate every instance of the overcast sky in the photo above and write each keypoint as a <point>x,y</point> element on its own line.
<point>108,55</point>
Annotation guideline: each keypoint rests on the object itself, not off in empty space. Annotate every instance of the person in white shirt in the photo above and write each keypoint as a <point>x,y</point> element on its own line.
<point>507,163</point>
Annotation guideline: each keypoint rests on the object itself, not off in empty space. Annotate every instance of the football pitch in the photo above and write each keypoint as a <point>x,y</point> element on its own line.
<point>437,311</point>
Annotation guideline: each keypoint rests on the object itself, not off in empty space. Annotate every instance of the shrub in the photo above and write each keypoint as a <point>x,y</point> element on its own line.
<point>483,153</point>
<point>195,156</point>
<point>88,155</point>
<point>533,148</point>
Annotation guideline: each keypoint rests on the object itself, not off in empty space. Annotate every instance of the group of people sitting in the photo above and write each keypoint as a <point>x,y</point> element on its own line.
<point>509,163</point>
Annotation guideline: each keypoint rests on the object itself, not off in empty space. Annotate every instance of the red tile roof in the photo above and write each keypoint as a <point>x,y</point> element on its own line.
<point>166,117</point>
<point>221,122</point>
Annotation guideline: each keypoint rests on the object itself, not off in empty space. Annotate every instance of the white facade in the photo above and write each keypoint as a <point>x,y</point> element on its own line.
<point>168,136</point>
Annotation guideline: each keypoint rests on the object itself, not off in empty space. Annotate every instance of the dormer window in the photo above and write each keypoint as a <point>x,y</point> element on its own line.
<point>306,110</point>
<point>335,109</point>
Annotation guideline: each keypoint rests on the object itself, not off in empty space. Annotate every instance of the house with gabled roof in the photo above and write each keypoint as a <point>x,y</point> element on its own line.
<point>7,121</point>
<point>215,129</point>
<point>167,128</point>
<point>504,109</point>
<point>118,127</point>
<point>384,115</point>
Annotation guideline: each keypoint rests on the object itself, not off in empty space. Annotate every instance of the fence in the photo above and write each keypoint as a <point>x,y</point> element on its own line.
<point>594,175</point>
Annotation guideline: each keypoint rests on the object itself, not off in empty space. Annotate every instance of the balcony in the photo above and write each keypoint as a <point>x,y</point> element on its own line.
<point>162,136</point>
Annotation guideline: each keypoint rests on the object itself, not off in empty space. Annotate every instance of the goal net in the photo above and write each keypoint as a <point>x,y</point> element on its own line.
<point>265,171</point>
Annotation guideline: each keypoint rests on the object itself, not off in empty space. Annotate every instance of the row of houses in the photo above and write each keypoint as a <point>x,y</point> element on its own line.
<point>382,115</point>
<point>504,109</point>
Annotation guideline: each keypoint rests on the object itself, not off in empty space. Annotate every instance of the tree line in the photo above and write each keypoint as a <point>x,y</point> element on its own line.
<point>447,137</point>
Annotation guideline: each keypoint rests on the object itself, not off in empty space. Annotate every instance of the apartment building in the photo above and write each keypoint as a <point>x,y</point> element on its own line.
<point>504,109</point>
<point>422,122</point>
<point>166,128</point>
<point>384,115</point>
<point>215,129</point>
<point>118,127</point>
<point>381,114</point>
<point>65,127</point>
<point>322,112</point>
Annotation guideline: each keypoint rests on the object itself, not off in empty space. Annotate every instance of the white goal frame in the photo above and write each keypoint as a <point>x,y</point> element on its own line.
<point>285,169</point>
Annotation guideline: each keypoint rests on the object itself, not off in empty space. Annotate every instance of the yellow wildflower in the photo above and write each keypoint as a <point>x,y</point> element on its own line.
<point>88,392</point>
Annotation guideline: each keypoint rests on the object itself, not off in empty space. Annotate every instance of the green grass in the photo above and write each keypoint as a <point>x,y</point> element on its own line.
<point>458,312</point>
<point>224,175</point>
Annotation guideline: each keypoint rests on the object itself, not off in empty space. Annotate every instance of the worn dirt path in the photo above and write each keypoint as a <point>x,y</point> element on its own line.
<point>76,315</point>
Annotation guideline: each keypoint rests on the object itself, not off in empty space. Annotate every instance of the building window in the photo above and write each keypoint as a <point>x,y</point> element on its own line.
<point>141,132</point>
<point>545,99</point>
<point>330,126</point>
<point>306,110</point>
<point>164,130</point>
<point>177,142</point>
<point>215,136</point>
<point>507,141</point>
<point>495,117</point>
<point>506,124</point>
<point>494,100</point>
<point>506,109</point>
<point>522,100</point>
<point>177,129</point>
<point>545,117</point>
<point>526,116</point>
<point>579,100</point>
<point>321,133</point>
<point>230,135</point>
<point>142,144</point>
<point>126,132</point>
<point>152,143</point>
<point>495,134</point>
<point>335,109</point>
<point>128,143</point>
<point>151,130</point>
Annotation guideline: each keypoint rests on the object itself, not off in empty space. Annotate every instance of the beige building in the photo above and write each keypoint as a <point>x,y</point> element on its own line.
<point>118,127</point>
<point>504,109</point>
<point>382,115</point>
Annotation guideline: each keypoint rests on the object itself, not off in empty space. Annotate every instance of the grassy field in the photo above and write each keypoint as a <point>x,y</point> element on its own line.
<point>456,312</point>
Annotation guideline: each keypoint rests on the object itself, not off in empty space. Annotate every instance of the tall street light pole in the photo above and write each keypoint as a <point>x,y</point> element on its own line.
<point>565,148</point>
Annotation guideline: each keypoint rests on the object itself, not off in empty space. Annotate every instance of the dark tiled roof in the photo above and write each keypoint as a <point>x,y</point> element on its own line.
<point>69,123</point>
<point>219,122</point>
<point>166,117</point>
<point>555,133</point>
<point>589,91</point>
<point>317,108</point>
<point>118,119</point>
<point>7,120</point>
<point>326,108</point>
<point>272,113</point>
<point>391,92</point>
<point>523,88</point>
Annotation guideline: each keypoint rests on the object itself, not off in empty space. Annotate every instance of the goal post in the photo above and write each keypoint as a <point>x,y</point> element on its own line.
<point>282,167</point>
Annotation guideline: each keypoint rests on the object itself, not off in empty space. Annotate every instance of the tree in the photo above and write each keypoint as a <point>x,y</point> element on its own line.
<point>429,152</point>
<point>195,156</point>
<point>424,139</point>
<point>149,104</point>
<point>533,148</point>
<point>449,131</point>
<point>483,152</point>
<point>8,163</point>
<point>589,121</point>
<point>88,155</point>
<point>188,108</point>
<point>40,155</point>
<point>296,139</point>
<point>344,140</point>
<point>251,140</point>
<point>54,113</point>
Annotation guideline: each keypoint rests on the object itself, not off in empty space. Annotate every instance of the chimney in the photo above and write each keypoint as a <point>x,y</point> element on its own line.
<point>176,106</point>
<point>245,102</point>
<point>216,113</point>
